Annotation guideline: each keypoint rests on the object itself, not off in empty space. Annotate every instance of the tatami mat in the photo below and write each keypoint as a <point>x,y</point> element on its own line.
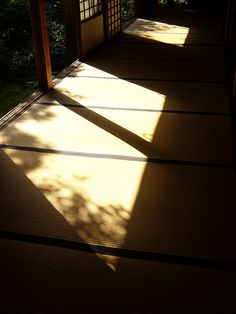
<point>160,70</point>
<point>197,22</point>
<point>161,51</point>
<point>174,136</point>
<point>55,280</point>
<point>171,33</point>
<point>118,186</point>
<point>188,96</point>
<point>179,40</point>
<point>123,133</point>
<point>143,95</point>
<point>140,206</point>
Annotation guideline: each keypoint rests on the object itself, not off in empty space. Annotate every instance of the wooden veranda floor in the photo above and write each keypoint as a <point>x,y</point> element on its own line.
<point>118,186</point>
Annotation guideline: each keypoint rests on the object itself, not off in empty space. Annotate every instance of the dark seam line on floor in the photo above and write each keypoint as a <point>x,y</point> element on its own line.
<point>124,42</point>
<point>217,41</point>
<point>166,44</point>
<point>179,33</point>
<point>157,59</point>
<point>120,252</point>
<point>177,80</point>
<point>119,157</point>
<point>147,79</point>
<point>218,36</point>
<point>138,109</point>
<point>149,61</point>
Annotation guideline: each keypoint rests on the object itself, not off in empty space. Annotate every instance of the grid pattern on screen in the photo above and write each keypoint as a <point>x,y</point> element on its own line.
<point>114,17</point>
<point>89,8</point>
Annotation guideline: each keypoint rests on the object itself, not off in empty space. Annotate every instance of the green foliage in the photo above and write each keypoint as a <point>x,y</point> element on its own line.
<point>174,1</point>
<point>56,33</point>
<point>16,48</point>
<point>3,59</point>
<point>14,34</point>
<point>127,10</point>
<point>11,94</point>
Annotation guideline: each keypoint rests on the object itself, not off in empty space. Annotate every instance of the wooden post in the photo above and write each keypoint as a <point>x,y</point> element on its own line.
<point>78,31</point>
<point>105,19</point>
<point>72,28</point>
<point>41,44</point>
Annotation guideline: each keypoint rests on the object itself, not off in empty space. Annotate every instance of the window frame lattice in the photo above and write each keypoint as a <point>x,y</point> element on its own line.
<point>114,17</point>
<point>90,9</point>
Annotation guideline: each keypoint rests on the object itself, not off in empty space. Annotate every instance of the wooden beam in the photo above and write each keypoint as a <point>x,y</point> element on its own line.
<point>41,44</point>
<point>228,20</point>
<point>72,21</point>
<point>78,31</point>
<point>105,19</point>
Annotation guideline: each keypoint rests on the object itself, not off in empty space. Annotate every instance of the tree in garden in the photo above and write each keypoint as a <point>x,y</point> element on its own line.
<point>16,49</point>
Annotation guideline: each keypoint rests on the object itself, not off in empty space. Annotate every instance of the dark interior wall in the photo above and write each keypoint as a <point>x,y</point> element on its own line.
<point>209,4</point>
<point>205,5</point>
<point>139,6</point>
<point>230,37</point>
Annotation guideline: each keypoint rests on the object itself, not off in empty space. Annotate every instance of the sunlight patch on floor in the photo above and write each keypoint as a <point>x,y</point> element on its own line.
<point>162,32</point>
<point>86,70</point>
<point>140,123</point>
<point>110,93</point>
<point>110,120</point>
<point>63,129</point>
<point>95,196</point>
